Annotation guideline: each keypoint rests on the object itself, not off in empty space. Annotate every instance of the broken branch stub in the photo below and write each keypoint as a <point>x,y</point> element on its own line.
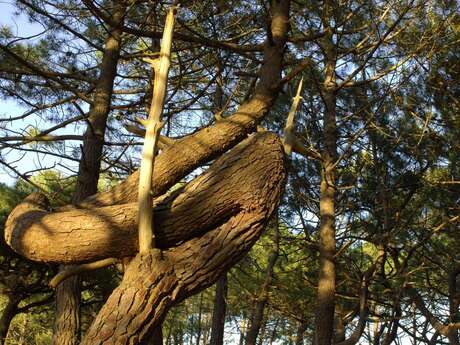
<point>289,135</point>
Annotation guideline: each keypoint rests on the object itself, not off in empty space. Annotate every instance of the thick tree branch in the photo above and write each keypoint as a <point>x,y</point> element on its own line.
<point>81,235</point>
<point>155,281</point>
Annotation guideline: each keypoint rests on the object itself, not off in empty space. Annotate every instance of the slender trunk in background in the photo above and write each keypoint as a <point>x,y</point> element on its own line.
<point>156,338</point>
<point>206,331</point>
<point>324,318</point>
<point>274,332</point>
<point>454,302</point>
<point>220,299</point>
<point>302,327</point>
<point>200,313</point>
<point>66,329</point>
<point>263,330</point>
<point>258,316</point>
<point>8,313</point>
<point>218,315</point>
<point>243,326</point>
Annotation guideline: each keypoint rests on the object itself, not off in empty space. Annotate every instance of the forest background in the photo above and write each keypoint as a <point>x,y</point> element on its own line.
<point>363,247</point>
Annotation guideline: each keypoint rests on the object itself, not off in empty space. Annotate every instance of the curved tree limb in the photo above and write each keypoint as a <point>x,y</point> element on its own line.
<point>155,281</point>
<point>81,235</point>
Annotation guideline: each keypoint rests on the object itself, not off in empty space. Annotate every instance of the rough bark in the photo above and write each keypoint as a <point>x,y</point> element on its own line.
<point>156,281</point>
<point>258,313</point>
<point>8,313</point>
<point>66,330</point>
<point>218,315</point>
<point>324,319</point>
<point>207,202</point>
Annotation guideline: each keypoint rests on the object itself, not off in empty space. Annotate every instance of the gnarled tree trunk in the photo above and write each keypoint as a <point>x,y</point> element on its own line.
<point>203,230</point>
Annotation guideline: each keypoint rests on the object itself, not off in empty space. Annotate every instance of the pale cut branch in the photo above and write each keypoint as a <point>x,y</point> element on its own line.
<point>290,142</point>
<point>153,127</point>
<point>289,129</point>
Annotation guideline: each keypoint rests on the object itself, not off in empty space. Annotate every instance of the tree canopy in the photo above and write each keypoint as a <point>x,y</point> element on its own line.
<point>328,129</point>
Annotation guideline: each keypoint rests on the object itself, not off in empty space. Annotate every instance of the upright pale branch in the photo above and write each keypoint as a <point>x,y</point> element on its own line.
<point>289,135</point>
<point>291,142</point>
<point>152,131</point>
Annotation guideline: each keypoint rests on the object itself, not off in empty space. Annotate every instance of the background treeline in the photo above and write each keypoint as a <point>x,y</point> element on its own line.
<point>377,141</point>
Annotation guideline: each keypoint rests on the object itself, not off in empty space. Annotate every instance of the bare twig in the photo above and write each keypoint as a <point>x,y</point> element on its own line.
<point>74,270</point>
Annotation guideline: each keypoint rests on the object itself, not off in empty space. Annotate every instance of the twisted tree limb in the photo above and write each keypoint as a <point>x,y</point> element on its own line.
<point>155,281</point>
<point>236,182</point>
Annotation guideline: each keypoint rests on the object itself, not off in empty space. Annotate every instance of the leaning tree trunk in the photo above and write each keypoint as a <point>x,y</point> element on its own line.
<point>218,314</point>
<point>66,329</point>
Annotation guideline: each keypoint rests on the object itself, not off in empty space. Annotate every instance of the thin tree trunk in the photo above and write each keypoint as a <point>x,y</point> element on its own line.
<point>8,313</point>
<point>274,332</point>
<point>258,316</point>
<point>218,315</point>
<point>324,319</point>
<point>263,330</point>
<point>200,312</point>
<point>454,302</point>
<point>302,327</point>
<point>206,332</point>
<point>243,325</point>
<point>156,338</point>
<point>66,330</point>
